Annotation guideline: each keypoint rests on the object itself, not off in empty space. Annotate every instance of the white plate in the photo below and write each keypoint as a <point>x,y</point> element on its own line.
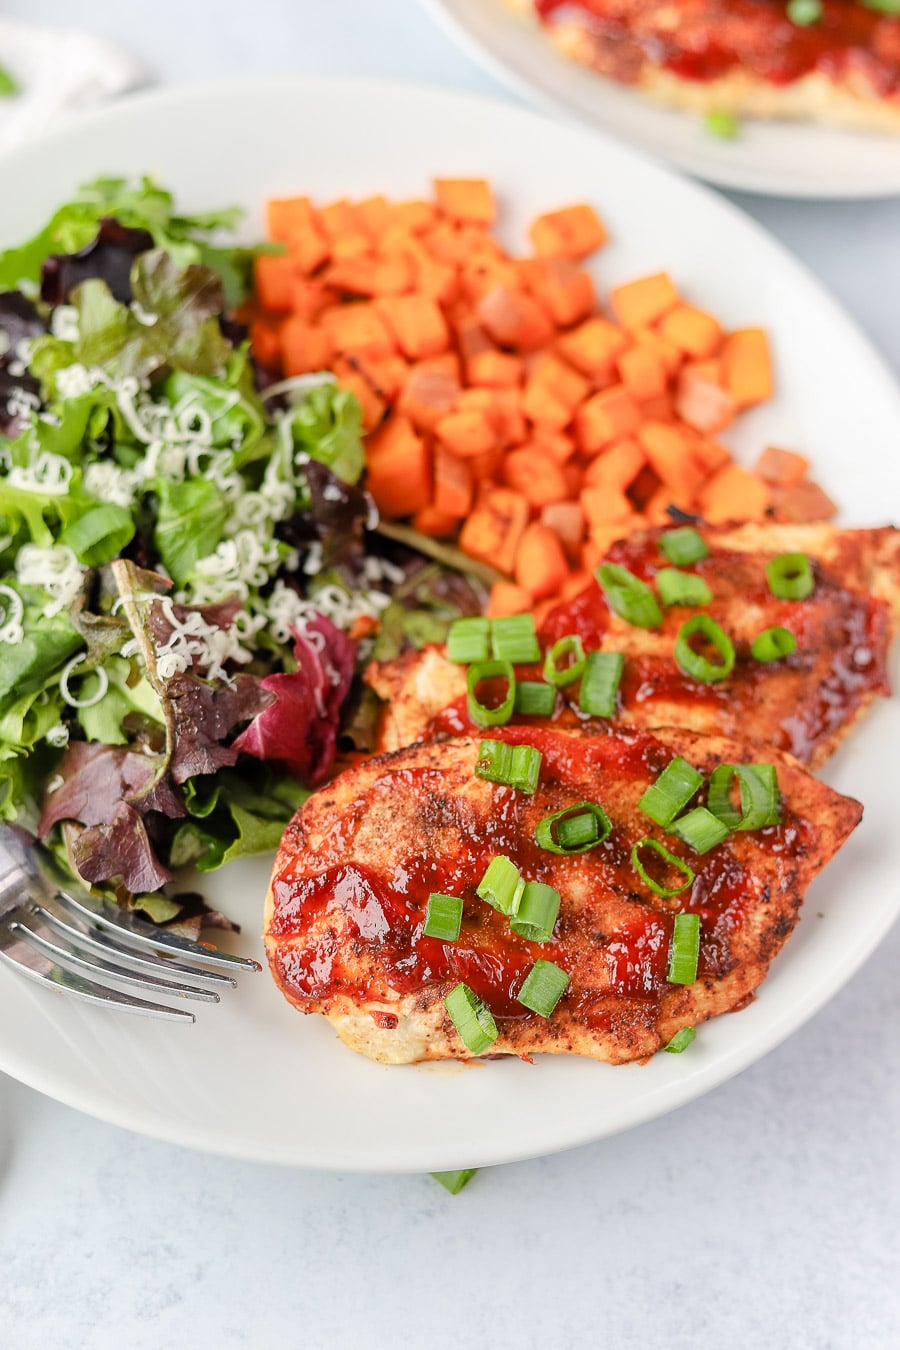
<point>253,1078</point>
<point>784,159</point>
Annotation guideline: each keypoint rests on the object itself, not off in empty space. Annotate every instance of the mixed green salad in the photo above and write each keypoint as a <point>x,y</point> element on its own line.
<point>190,574</point>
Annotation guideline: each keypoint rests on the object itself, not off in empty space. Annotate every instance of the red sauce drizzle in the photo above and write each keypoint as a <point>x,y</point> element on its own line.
<point>709,38</point>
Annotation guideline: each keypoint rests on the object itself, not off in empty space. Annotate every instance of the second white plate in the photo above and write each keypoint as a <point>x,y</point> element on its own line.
<point>782,159</point>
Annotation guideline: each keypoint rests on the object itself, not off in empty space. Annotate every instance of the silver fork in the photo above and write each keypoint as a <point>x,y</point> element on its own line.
<point>71,941</point>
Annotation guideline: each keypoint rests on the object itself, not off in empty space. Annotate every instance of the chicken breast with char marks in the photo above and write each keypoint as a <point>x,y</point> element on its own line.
<point>803,705</point>
<point>344,913</point>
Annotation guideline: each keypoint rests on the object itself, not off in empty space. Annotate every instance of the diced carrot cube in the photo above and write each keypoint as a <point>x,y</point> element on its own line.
<point>454,484</point>
<point>357,328</point>
<point>304,348</point>
<point>366,275</point>
<point>616,467</point>
<point>427,396</point>
<point>417,324</point>
<point>536,474</point>
<point>747,366</point>
<point>691,330</point>
<point>781,468</point>
<point>604,418</point>
<point>561,379</point>
<point>432,522</point>
<point>559,444</point>
<point>494,370</point>
<point>507,598</point>
<point>372,405</point>
<point>669,355</point>
<point>571,232</point>
<point>565,290</point>
<point>374,214</point>
<point>274,275</point>
<point>514,319</point>
<point>605,506</point>
<point>494,528</point>
<point>593,346</point>
<point>340,220</point>
<point>399,465</point>
<point>541,566</point>
<point>670,452</point>
<point>266,343</point>
<point>540,404</point>
<point>639,303</point>
<point>733,494</point>
<point>469,200</point>
<point>703,405</point>
<point>567,521</point>
<point>801,502</point>
<point>467,433</point>
<point>310,297</point>
<point>642,372</point>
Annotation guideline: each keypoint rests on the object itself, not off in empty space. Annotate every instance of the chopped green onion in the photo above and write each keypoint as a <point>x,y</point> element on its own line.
<point>480,713</point>
<point>543,987</point>
<point>536,911</point>
<point>517,766</point>
<point>772,644</point>
<point>883,6</point>
<point>525,768</point>
<point>469,640</point>
<point>697,666</point>
<point>578,828</point>
<point>8,86</point>
<point>600,683</point>
<point>443,917</point>
<point>683,546</point>
<point>565,661</point>
<point>501,884</point>
<point>454,1181</point>
<point>513,639</point>
<point>99,535</point>
<point>535,699</point>
<point>719,122</point>
<point>628,596</point>
<point>671,792</point>
<point>494,761</point>
<point>790,576</point>
<point>685,949</point>
<point>472,1019</point>
<point>680,1041</point>
<point>760,797</point>
<point>681,588</point>
<point>700,829</point>
<point>804,12</point>
<point>678,863</point>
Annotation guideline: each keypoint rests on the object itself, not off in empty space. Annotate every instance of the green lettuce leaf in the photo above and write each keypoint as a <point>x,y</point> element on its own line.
<point>326,425</point>
<point>189,524</point>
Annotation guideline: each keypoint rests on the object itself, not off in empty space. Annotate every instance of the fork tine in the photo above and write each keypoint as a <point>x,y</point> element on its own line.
<point>64,955</point>
<point>36,967</point>
<point>105,945</point>
<point>136,932</point>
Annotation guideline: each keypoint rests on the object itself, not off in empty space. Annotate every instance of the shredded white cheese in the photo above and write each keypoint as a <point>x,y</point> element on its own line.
<point>11,612</point>
<point>98,694</point>
<point>55,570</point>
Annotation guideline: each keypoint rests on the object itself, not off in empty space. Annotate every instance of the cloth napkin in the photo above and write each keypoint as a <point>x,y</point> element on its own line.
<point>58,72</point>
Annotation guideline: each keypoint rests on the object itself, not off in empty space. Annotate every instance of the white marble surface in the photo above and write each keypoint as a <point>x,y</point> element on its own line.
<point>764,1215</point>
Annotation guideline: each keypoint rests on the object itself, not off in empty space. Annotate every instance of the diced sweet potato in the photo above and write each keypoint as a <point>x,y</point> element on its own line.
<point>565,290</point>
<point>399,464</point>
<point>543,408</point>
<point>733,494</point>
<point>541,566</point>
<point>692,330</point>
<point>642,372</point>
<point>617,467</point>
<point>670,453</point>
<point>432,522</point>
<point>593,346</point>
<point>467,433</point>
<point>781,468</point>
<point>508,598</point>
<point>493,530</point>
<point>604,418</point>
<point>304,348</point>
<point>454,484</point>
<point>427,397</point>
<point>274,275</point>
<point>747,366</point>
<point>469,200</point>
<point>514,319</point>
<point>571,232</point>
<point>703,405</point>
<point>639,303</point>
<point>494,370</point>
<point>567,521</point>
<point>416,322</point>
<point>358,328</point>
<point>804,501</point>
<point>536,474</point>
<point>605,506</point>
<point>570,387</point>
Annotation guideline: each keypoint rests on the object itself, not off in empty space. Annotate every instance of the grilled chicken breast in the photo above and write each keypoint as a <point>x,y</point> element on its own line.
<point>344,913</point>
<point>741,56</point>
<point>803,704</point>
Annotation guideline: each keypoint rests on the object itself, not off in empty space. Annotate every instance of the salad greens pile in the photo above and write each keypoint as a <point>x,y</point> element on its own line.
<point>186,558</point>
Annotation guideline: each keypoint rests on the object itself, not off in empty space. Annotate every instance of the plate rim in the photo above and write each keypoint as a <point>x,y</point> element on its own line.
<point>701,1078</point>
<point>445,14</point>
